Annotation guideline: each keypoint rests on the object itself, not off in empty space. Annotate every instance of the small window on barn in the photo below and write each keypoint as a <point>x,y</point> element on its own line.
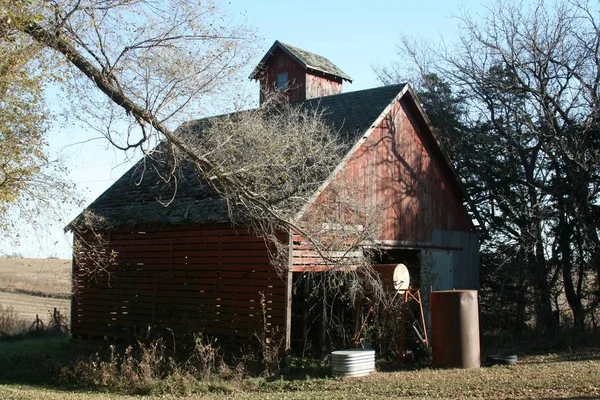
<point>282,81</point>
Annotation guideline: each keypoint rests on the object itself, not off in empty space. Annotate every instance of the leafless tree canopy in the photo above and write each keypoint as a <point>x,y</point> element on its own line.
<point>279,152</point>
<point>151,65</point>
<point>525,131</point>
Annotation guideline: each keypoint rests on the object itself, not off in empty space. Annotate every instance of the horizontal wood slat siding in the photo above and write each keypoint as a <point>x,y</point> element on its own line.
<point>399,171</point>
<point>205,278</point>
<point>305,258</point>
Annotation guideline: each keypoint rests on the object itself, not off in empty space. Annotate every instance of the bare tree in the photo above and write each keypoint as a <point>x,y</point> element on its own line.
<point>529,76</point>
<point>155,65</point>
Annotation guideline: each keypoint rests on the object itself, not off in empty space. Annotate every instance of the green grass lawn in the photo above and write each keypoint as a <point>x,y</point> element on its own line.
<point>29,369</point>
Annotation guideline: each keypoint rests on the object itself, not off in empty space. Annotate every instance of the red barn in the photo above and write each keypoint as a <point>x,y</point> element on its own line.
<point>301,74</point>
<point>186,266</point>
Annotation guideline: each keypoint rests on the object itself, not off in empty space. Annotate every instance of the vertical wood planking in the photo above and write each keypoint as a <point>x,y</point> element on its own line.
<point>319,85</point>
<point>398,169</point>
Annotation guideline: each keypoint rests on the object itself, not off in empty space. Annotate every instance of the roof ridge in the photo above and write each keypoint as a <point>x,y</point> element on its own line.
<point>348,114</point>
<point>307,59</point>
<point>361,91</point>
<point>314,99</point>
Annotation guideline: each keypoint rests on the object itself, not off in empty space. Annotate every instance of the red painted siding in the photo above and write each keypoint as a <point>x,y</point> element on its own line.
<point>280,62</point>
<point>302,84</point>
<point>319,85</point>
<point>399,171</point>
<point>205,278</point>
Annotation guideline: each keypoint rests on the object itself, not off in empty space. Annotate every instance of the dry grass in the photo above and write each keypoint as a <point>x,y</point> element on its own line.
<point>27,306</point>
<point>552,376</point>
<point>11,323</point>
<point>47,277</point>
<point>35,286</point>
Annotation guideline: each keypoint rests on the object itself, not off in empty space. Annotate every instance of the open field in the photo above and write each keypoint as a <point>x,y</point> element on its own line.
<point>35,286</point>
<point>28,306</point>
<point>48,277</point>
<point>550,376</point>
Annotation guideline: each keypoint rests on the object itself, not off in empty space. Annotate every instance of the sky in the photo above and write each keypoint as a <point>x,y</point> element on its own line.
<point>354,35</point>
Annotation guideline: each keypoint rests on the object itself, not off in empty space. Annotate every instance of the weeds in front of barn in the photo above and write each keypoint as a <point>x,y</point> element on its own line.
<point>43,353</point>
<point>13,326</point>
<point>154,367</point>
<point>144,368</point>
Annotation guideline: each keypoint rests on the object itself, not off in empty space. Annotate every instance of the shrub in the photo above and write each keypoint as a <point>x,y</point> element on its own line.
<point>147,367</point>
<point>10,322</point>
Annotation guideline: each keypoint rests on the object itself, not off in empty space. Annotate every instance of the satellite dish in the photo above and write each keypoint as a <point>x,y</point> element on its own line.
<point>401,278</point>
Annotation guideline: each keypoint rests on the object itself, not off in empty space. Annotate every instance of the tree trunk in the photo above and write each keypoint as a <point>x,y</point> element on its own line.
<point>546,320</point>
<point>521,301</point>
<point>573,297</point>
<point>586,221</point>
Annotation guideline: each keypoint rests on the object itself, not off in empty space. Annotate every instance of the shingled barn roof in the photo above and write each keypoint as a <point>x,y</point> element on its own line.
<point>141,195</point>
<point>305,58</point>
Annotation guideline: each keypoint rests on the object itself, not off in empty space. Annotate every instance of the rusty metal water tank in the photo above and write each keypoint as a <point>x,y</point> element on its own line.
<point>455,329</point>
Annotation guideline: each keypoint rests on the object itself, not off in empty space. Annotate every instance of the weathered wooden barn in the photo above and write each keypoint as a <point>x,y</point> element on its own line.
<point>186,267</point>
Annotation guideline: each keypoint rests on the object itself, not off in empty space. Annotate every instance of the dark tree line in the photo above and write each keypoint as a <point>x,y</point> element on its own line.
<point>516,103</point>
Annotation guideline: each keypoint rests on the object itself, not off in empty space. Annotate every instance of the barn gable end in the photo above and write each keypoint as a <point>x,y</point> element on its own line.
<point>398,169</point>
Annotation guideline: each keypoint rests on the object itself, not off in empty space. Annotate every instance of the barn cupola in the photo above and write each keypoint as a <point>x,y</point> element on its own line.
<point>301,74</point>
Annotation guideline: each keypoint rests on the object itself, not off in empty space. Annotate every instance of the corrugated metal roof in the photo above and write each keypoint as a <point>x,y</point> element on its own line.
<point>140,195</point>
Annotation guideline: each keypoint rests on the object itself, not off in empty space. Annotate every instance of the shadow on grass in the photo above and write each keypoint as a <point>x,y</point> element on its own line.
<point>536,349</point>
<point>569,356</point>
<point>302,369</point>
<point>570,398</point>
<point>546,354</point>
<point>37,360</point>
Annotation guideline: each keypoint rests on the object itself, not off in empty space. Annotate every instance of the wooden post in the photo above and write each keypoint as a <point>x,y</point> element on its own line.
<point>73,289</point>
<point>288,293</point>
<point>324,322</point>
<point>305,314</point>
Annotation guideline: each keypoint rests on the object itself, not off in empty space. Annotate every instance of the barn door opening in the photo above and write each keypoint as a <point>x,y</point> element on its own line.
<point>321,317</point>
<point>409,257</point>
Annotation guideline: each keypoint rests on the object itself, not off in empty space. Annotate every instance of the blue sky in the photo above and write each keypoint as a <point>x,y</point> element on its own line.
<point>354,35</point>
